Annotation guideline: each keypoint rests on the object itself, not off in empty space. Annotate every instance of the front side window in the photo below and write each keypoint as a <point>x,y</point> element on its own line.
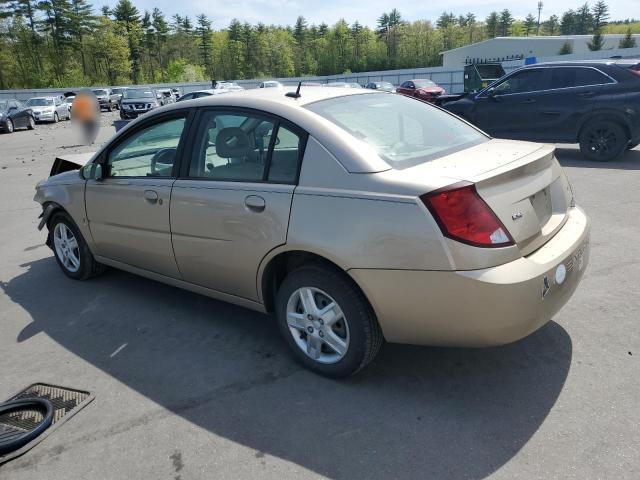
<point>567,77</point>
<point>150,152</point>
<point>522,82</point>
<point>403,131</point>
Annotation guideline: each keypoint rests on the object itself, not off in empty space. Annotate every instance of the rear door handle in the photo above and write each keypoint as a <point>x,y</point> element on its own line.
<point>255,203</point>
<point>529,100</point>
<point>586,94</point>
<point>151,196</point>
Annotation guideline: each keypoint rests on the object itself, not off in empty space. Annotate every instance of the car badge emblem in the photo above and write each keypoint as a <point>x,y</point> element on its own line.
<point>516,216</point>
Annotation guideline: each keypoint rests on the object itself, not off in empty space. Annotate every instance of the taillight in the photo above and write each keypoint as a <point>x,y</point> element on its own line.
<point>464,216</point>
<point>635,70</point>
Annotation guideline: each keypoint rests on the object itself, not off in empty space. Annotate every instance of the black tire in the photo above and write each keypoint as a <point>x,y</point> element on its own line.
<point>88,265</point>
<point>32,123</point>
<point>56,118</point>
<point>110,107</point>
<point>8,127</point>
<point>632,145</point>
<point>365,335</point>
<point>603,140</point>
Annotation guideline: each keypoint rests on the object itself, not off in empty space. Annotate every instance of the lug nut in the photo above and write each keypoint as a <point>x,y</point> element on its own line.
<point>321,321</point>
<point>310,329</point>
<point>309,317</point>
<point>321,333</point>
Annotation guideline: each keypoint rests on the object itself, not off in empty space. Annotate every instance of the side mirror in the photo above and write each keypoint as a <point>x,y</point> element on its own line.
<point>92,171</point>
<point>159,96</point>
<point>491,93</point>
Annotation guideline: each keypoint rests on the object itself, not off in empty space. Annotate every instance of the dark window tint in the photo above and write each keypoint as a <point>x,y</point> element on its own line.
<point>567,77</point>
<point>522,82</point>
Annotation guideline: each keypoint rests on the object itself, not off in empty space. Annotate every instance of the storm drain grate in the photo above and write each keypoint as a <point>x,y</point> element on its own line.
<point>66,403</point>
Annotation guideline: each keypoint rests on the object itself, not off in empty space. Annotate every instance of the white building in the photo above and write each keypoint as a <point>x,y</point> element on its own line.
<point>501,49</point>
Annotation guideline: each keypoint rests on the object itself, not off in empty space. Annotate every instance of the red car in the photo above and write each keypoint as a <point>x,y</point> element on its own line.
<point>422,89</point>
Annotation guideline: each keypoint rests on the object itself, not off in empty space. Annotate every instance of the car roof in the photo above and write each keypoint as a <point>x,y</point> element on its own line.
<point>53,97</point>
<point>587,63</point>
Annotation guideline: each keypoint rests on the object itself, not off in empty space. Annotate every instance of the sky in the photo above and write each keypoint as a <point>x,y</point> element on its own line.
<point>285,12</point>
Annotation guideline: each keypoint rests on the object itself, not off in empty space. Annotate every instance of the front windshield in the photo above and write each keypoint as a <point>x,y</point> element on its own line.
<point>403,131</point>
<point>40,102</point>
<point>117,90</point>
<point>100,92</point>
<point>138,94</point>
<point>424,83</point>
<point>69,99</point>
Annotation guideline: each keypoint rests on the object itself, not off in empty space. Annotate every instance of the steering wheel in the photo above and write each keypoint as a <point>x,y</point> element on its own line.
<point>162,161</point>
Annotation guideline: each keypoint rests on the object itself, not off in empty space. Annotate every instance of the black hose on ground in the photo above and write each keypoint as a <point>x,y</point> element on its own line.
<point>13,437</point>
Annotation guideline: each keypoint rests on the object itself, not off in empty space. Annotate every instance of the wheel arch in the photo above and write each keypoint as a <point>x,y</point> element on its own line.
<point>279,262</point>
<point>605,114</point>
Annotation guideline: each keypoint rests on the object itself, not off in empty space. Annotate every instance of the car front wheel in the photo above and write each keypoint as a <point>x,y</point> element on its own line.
<point>56,119</point>
<point>70,249</point>
<point>603,140</point>
<point>8,126</point>
<point>32,123</point>
<point>327,322</point>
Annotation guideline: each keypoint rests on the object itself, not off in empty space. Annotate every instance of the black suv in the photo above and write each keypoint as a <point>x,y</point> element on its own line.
<point>593,103</point>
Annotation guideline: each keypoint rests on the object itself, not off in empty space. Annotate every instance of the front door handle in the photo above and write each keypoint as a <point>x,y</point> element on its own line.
<point>529,100</point>
<point>255,203</point>
<point>586,94</point>
<point>151,196</point>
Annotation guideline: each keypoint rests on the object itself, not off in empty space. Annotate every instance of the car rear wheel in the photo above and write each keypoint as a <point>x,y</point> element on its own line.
<point>327,322</point>
<point>32,123</point>
<point>56,119</point>
<point>70,249</point>
<point>9,126</point>
<point>603,140</point>
<point>110,107</point>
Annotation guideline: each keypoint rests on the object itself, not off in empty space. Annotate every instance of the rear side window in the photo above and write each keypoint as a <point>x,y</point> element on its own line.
<point>403,131</point>
<point>567,77</point>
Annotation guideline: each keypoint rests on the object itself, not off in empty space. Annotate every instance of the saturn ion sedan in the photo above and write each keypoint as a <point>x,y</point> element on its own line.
<point>354,216</point>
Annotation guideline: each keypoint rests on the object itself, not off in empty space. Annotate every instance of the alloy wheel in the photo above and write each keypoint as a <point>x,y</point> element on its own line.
<point>32,123</point>
<point>66,246</point>
<point>318,325</point>
<point>602,141</point>
<point>9,125</point>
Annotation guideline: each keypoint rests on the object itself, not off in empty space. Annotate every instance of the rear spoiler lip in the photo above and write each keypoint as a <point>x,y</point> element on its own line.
<point>66,163</point>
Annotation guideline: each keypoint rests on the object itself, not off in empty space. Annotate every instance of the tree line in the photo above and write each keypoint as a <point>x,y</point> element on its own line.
<point>58,43</point>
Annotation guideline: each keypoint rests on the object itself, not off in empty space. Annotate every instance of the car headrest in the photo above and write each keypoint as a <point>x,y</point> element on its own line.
<point>232,142</point>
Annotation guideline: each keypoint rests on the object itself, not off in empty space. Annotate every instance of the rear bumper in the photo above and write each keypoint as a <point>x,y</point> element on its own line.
<point>480,308</point>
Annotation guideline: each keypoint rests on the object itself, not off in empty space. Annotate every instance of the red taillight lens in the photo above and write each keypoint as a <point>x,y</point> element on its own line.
<point>635,70</point>
<point>464,216</point>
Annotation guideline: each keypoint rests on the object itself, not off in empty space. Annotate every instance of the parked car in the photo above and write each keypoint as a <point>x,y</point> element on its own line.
<point>107,99</point>
<point>13,114</point>
<point>68,101</point>
<point>198,94</point>
<point>343,84</point>
<point>49,109</point>
<point>562,102</point>
<point>270,84</point>
<point>228,86</point>
<point>166,96</point>
<point>384,86</point>
<point>118,91</point>
<point>136,101</point>
<point>177,93</point>
<point>426,231</point>
<point>422,89</point>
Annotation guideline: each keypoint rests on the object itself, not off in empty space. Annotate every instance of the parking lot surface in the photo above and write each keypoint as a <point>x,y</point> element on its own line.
<point>188,387</point>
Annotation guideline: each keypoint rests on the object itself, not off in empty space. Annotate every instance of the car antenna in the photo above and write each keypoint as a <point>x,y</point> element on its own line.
<point>295,94</point>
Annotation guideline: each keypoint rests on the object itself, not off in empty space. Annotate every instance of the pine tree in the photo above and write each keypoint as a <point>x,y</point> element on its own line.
<point>161,30</point>
<point>566,49</point>
<point>628,41</point>
<point>82,23</point>
<point>551,25</point>
<point>506,20</point>
<point>600,15</point>
<point>128,16</point>
<point>583,20</point>
<point>491,24</point>
<point>529,24</point>
<point>203,31</point>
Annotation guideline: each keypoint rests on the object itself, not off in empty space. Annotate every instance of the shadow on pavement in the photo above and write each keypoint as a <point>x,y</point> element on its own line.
<point>416,412</point>
<point>571,157</point>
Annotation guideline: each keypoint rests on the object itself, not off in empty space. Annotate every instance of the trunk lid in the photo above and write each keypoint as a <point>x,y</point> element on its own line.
<point>522,182</point>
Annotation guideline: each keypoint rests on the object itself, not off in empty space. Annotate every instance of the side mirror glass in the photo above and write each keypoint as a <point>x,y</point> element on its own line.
<point>491,93</point>
<point>91,171</point>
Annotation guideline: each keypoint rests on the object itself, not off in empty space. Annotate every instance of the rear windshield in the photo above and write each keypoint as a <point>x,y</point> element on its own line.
<point>424,83</point>
<point>40,102</point>
<point>404,131</point>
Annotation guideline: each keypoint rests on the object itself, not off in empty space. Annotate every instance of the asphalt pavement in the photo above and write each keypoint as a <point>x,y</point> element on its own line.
<point>191,388</point>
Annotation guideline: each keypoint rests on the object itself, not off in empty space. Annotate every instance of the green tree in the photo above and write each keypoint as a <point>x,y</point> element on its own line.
<point>491,24</point>
<point>566,48</point>
<point>505,22</point>
<point>529,24</point>
<point>628,41</point>
<point>203,30</point>
<point>600,15</point>
<point>127,15</point>
<point>551,25</point>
